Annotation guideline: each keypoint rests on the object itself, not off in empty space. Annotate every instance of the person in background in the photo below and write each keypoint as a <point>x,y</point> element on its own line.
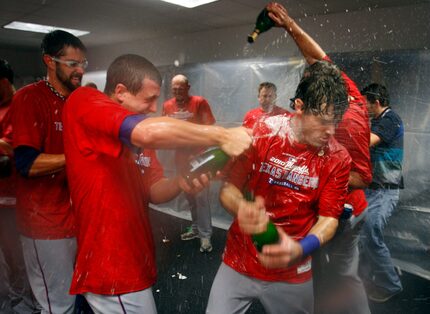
<point>267,100</point>
<point>386,150</point>
<point>113,174</point>
<point>15,292</point>
<point>337,286</point>
<point>298,174</point>
<point>44,216</point>
<point>193,109</point>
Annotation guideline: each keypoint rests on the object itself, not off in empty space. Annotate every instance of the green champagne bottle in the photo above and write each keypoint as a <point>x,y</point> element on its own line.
<point>209,162</point>
<point>263,24</point>
<point>269,236</point>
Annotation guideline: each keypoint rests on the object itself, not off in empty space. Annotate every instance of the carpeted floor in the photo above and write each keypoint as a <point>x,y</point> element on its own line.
<point>185,275</point>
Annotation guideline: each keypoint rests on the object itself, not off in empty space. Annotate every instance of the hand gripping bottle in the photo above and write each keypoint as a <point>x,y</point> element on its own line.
<point>209,162</point>
<point>263,24</point>
<point>269,236</point>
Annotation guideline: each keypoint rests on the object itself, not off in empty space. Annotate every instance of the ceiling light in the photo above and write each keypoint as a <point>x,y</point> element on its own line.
<point>189,3</point>
<point>37,28</point>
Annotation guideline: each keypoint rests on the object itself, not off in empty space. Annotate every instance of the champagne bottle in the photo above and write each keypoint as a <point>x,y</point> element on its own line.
<point>263,24</point>
<point>269,236</point>
<point>210,161</point>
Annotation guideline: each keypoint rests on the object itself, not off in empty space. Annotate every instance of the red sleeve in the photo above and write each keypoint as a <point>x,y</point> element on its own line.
<point>205,113</point>
<point>6,128</point>
<point>248,120</point>
<point>94,120</point>
<point>353,132</point>
<point>335,188</point>
<point>27,120</point>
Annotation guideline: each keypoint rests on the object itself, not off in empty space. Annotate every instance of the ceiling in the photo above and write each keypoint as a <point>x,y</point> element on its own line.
<point>115,21</point>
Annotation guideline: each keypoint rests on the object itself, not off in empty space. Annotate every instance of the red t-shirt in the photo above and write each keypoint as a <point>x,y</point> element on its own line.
<point>257,114</point>
<point>353,132</point>
<point>43,202</point>
<point>7,185</point>
<point>198,111</point>
<point>298,183</point>
<point>109,186</point>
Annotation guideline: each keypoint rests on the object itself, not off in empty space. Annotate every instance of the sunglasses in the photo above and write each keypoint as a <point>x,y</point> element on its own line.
<point>72,63</point>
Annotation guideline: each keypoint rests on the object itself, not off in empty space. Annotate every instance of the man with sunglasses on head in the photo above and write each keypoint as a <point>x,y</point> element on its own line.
<point>44,215</point>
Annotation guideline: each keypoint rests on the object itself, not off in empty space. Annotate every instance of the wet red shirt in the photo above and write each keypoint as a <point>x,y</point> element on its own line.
<point>198,111</point>
<point>43,202</point>
<point>298,183</point>
<point>353,132</point>
<point>7,185</point>
<point>257,114</point>
<point>109,186</point>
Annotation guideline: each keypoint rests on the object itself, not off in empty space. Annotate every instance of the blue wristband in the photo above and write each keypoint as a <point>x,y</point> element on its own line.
<point>309,244</point>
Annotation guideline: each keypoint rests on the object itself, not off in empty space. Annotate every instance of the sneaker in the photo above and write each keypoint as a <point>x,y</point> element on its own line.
<point>380,295</point>
<point>205,245</point>
<point>189,234</point>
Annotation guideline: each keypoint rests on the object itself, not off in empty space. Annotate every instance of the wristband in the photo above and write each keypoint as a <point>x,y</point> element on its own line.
<point>127,127</point>
<point>309,244</point>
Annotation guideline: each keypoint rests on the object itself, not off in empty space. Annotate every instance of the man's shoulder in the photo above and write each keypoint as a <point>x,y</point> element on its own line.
<point>32,88</point>
<point>169,103</point>
<point>392,115</point>
<point>337,150</point>
<point>198,99</point>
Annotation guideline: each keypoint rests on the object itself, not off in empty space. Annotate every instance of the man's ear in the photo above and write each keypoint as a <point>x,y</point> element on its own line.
<point>120,92</point>
<point>49,62</point>
<point>298,105</point>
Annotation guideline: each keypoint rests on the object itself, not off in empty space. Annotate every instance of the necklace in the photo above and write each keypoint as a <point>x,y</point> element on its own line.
<point>55,91</point>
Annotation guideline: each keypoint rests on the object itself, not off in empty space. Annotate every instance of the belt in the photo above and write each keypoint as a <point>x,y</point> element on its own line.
<point>387,186</point>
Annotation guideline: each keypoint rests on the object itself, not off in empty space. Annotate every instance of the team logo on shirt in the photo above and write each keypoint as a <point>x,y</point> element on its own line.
<point>181,115</point>
<point>58,126</point>
<point>143,162</point>
<point>287,173</point>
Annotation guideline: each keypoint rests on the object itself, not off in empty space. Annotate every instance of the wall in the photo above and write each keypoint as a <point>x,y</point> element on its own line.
<point>377,29</point>
<point>26,63</point>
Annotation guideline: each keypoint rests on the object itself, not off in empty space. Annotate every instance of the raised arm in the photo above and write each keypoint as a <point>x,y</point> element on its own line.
<point>168,133</point>
<point>310,49</point>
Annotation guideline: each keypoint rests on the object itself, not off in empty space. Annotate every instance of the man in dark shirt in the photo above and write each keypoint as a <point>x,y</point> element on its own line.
<point>386,152</point>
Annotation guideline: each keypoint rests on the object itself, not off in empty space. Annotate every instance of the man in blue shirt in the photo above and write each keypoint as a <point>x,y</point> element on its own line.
<point>386,152</point>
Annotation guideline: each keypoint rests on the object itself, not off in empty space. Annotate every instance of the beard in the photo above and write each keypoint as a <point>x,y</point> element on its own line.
<point>69,81</point>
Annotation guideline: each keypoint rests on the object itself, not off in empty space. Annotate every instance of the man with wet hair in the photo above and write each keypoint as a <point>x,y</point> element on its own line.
<point>298,174</point>
<point>113,174</point>
<point>337,286</point>
<point>44,215</point>
<point>193,109</point>
<point>267,100</point>
<point>386,151</point>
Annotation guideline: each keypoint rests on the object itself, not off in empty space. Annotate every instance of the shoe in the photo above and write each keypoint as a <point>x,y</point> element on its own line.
<point>189,234</point>
<point>205,245</point>
<point>380,295</point>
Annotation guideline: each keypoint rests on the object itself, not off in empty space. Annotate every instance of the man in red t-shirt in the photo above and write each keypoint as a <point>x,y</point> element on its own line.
<point>299,174</point>
<point>14,287</point>
<point>193,109</point>
<point>267,100</point>
<point>113,174</point>
<point>44,215</point>
<point>338,288</point>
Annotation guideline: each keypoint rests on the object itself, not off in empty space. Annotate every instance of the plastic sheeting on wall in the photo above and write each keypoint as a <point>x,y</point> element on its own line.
<point>231,89</point>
